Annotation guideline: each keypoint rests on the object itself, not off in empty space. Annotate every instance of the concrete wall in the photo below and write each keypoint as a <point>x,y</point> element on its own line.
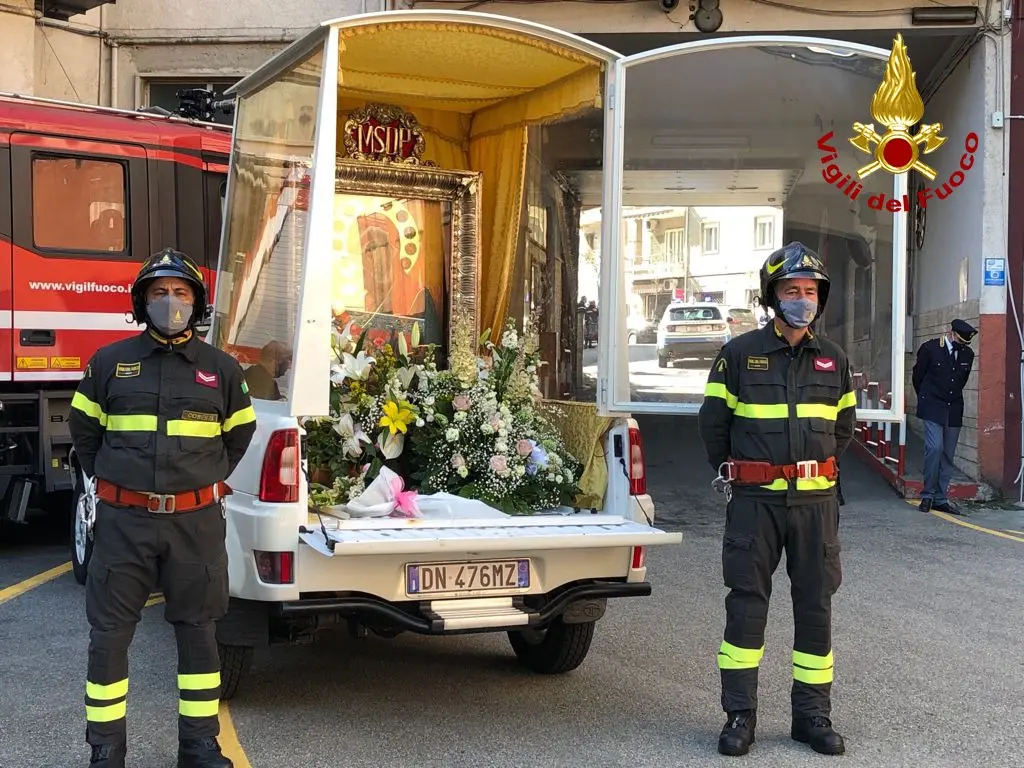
<point>17,40</point>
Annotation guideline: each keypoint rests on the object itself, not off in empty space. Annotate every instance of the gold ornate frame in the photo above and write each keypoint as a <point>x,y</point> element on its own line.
<point>459,188</point>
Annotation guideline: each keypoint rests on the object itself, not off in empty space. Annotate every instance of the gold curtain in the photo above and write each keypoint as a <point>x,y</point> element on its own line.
<point>583,431</point>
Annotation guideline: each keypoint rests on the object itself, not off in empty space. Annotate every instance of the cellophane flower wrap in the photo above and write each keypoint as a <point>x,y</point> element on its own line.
<point>482,434</point>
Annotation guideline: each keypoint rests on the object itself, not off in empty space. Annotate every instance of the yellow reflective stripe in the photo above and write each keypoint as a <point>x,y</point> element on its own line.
<point>183,428</point>
<point>188,708</point>
<point>802,484</point>
<point>89,408</point>
<point>107,714</point>
<point>813,661</point>
<point>126,423</point>
<point>849,400</point>
<point>812,676</point>
<point>780,484</point>
<point>713,389</point>
<point>816,411</point>
<point>201,682</point>
<point>761,411</point>
<point>733,657</point>
<point>245,416</point>
<point>107,692</point>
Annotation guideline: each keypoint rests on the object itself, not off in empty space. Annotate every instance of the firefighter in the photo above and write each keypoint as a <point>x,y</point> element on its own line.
<point>159,421</point>
<point>778,412</point>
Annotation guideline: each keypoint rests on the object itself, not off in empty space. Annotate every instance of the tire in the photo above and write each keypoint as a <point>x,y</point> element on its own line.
<point>555,650</point>
<point>81,542</point>
<point>235,661</point>
<point>662,361</point>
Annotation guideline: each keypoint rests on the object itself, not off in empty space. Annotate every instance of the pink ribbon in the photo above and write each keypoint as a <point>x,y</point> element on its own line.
<point>405,501</point>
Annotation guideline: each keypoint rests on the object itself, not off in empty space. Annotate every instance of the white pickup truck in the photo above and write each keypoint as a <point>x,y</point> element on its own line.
<point>543,579</point>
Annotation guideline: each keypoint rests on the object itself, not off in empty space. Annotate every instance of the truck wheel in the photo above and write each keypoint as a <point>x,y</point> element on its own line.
<point>81,542</point>
<point>559,648</point>
<point>235,661</point>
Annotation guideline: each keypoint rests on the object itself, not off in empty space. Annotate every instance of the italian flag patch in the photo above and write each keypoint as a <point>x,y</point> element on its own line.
<point>245,387</point>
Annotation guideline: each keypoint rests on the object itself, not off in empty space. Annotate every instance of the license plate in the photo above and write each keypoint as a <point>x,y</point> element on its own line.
<point>466,578</point>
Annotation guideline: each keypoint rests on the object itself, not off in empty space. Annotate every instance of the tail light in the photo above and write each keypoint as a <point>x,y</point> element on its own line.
<point>731,320</point>
<point>279,480</point>
<point>637,466</point>
<point>639,558</point>
<point>275,567</point>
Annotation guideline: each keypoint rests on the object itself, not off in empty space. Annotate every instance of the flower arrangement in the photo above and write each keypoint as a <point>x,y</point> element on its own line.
<point>475,430</point>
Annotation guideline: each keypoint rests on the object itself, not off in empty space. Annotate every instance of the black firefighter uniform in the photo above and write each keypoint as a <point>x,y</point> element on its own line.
<point>158,418</point>
<point>793,410</point>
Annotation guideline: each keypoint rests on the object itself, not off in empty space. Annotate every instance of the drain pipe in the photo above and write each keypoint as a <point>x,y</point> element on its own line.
<point>113,73</point>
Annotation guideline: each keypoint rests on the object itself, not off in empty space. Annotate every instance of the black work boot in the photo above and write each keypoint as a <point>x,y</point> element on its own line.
<point>201,753</point>
<point>926,504</point>
<point>738,733</point>
<point>107,756</point>
<point>817,731</point>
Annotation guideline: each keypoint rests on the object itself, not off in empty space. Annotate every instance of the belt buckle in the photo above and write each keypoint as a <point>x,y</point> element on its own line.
<point>807,470</point>
<point>165,503</point>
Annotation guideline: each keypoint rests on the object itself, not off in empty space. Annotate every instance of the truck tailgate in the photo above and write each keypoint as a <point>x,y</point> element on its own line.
<point>417,536</point>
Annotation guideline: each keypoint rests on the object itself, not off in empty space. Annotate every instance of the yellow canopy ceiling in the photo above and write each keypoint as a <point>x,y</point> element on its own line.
<point>451,67</point>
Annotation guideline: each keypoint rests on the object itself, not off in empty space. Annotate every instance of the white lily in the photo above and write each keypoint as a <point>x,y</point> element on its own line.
<point>415,334</point>
<point>356,367</point>
<point>343,340</point>
<point>390,446</point>
<point>403,345</point>
<point>352,436</point>
<point>406,375</point>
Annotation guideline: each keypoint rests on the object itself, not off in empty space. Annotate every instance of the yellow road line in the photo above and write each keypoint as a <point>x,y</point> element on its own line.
<point>9,593</point>
<point>1010,530</point>
<point>229,739</point>
<point>973,527</point>
<point>154,600</point>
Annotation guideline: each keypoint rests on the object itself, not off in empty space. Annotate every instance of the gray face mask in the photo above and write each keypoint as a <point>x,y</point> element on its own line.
<point>798,313</point>
<point>169,315</point>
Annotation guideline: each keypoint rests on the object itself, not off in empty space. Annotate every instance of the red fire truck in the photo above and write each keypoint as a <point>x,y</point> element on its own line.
<point>86,194</point>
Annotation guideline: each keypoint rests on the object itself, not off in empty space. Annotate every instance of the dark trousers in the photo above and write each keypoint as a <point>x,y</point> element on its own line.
<point>939,452</point>
<point>133,552</point>
<point>756,534</point>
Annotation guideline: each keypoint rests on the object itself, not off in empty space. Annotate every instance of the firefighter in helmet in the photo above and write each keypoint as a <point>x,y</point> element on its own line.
<point>778,412</point>
<point>159,421</point>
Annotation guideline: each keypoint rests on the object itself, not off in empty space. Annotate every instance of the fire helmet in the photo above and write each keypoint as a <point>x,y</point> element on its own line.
<point>169,263</point>
<point>793,260</point>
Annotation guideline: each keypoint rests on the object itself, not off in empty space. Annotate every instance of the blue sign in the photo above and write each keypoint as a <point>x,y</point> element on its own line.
<point>995,271</point>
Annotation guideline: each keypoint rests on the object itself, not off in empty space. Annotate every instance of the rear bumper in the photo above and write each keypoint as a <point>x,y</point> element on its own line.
<point>584,600</point>
<point>702,347</point>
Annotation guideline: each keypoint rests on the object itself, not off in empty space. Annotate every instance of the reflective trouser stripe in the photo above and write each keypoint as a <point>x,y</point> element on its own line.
<point>733,657</point>
<point>811,669</point>
<point>188,708</point>
<point>107,714</point>
<point>202,682</point>
<point>107,692</point>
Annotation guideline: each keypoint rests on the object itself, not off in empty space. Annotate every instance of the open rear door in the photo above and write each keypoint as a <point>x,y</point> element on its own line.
<point>698,192</point>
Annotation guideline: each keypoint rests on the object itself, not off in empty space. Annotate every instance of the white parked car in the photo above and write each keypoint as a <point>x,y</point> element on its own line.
<point>699,330</point>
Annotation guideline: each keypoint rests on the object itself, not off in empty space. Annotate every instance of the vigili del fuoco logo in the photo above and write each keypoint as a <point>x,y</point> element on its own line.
<point>897,106</point>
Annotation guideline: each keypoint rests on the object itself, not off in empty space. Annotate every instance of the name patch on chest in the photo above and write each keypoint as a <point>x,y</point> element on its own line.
<point>127,370</point>
<point>207,379</point>
<point>198,416</point>
<point>757,363</point>
<point>824,364</point>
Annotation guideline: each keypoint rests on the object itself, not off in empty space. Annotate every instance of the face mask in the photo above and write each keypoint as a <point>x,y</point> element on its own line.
<point>169,315</point>
<point>798,313</point>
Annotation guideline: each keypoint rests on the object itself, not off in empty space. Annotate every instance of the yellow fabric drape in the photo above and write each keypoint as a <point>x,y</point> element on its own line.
<point>583,431</point>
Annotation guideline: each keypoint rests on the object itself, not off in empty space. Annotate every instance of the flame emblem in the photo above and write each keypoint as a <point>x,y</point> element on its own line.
<point>898,106</point>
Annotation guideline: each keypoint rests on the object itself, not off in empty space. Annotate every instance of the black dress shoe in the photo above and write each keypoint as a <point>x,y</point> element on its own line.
<point>201,753</point>
<point>926,504</point>
<point>107,756</point>
<point>948,507</point>
<point>817,731</point>
<point>738,733</point>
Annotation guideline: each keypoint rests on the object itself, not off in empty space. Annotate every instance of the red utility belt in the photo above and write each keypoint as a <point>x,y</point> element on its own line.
<point>186,501</point>
<point>763,473</point>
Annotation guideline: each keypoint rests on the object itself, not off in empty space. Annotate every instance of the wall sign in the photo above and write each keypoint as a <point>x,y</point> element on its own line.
<point>383,133</point>
<point>995,271</point>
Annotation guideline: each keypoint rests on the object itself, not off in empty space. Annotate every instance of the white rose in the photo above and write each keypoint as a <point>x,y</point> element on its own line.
<point>520,470</point>
<point>430,417</point>
<point>451,435</point>
<point>429,400</point>
<point>502,432</point>
<point>487,429</point>
<point>559,479</point>
<point>460,415</point>
<point>501,446</point>
<point>462,471</point>
<point>419,422</point>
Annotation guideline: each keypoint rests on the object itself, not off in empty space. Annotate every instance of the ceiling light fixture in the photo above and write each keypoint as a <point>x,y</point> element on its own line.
<point>705,15</point>
<point>952,14</point>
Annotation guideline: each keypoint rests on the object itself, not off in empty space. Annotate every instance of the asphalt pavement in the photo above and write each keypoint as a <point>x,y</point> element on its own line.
<point>927,624</point>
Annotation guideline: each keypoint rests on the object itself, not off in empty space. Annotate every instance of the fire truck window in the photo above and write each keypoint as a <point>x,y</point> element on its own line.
<point>78,204</point>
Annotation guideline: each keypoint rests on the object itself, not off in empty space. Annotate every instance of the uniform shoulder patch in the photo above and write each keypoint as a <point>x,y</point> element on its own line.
<point>207,379</point>
<point>757,363</point>
<point>824,363</point>
<point>127,370</point>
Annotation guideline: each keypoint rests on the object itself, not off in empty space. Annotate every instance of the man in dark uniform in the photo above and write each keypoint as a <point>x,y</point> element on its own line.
<point>160,420</point>
<point>275,361</point>
<point>940,374</point>
<point>778,412</point>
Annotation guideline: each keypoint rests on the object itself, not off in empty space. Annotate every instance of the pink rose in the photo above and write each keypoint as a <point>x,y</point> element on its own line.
<point>495,421</point>
<point>458,461</point>
<point>461,403</point>
<point>499,465</point>
<point>524,448</point>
